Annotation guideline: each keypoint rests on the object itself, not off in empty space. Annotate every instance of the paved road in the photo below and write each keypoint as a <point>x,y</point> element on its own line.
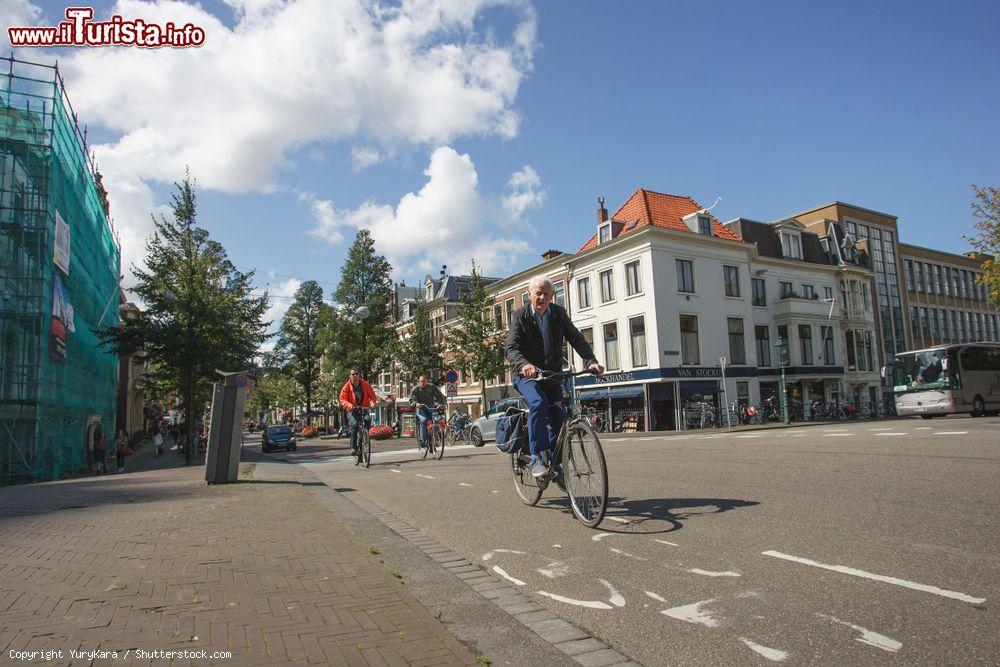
<point>866,542</point>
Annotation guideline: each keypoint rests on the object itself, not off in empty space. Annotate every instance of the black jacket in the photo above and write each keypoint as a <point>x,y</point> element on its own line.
<point>524,340</point>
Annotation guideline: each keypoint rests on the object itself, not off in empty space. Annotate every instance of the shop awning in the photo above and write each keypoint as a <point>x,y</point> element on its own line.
<point>630,391</point>
<point>592,394</point>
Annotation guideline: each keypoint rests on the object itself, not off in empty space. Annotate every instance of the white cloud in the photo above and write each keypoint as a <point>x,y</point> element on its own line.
<point>287,76</point>
<point>364,157</point>
<point>280,295</point>
<point>526,194</point>
<point>445,222</point>
<point>17,14</point>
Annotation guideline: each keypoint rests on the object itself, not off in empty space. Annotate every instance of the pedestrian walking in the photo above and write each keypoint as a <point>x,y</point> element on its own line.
<point>121,450</point>
<point>100,452</point>
<point>157,444</point>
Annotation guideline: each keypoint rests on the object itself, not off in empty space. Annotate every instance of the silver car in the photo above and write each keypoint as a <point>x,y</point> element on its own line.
<point>484,429</point>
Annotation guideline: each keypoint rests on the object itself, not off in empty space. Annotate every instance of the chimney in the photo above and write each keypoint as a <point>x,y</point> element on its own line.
<point>444,270</point>
<point>549,254</point>
<point>602,213</point>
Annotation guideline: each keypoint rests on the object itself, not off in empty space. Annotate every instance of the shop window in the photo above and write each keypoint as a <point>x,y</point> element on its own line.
<point>759,291</point>
<point>633,280</point>
<point>737,347</point>
<point>731,277</point>
<point>611,346</point>
<point>583,291</point>
<point>637,334</point>
<point>762,335</point>
<point>685,276</point>
<point>607,286</point>
<point>805,343</point>
<point>689,340</point>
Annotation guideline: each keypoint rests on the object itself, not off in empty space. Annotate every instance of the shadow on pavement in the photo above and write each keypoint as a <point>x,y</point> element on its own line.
<point>645,516</point>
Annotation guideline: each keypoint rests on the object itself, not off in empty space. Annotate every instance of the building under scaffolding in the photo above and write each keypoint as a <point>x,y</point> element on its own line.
<point>59,280</point>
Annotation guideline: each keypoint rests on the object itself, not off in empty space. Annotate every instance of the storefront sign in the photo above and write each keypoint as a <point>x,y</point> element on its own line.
<point>699,372</point>
<point>609,378</point>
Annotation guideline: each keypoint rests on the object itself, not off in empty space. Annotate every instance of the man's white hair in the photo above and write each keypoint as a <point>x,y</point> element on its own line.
<point>541,280</point>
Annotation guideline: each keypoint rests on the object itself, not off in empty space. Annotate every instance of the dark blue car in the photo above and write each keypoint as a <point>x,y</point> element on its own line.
<point>279,436</point>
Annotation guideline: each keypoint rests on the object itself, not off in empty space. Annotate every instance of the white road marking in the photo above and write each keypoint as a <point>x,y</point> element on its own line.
<point>590,604</point>
<point>880,429</point>
<point>837,435</point>
<point>617,599</point>
<point>554,569</point>
<point>831,430</point>
<point>398,472</point>
<point>925,428</point>
<point>626,554</point>
<point>869,637</point>
<point>516,582</point>
<point>489,554</point>
<point>799,435</point>
<point>597,538</point>
<point>950,432</point>
<point>879,577</point>
<point>464,484</point>
<point>655,596</point>
<point>619,519</point>
<point>496,492</point>
<point>692,613</point>
<point>877,434</point>
<point>772,654</point>
<point>749,436</point>
<point>424,476</point>
<point>709,573</point>
<point>673,544</point>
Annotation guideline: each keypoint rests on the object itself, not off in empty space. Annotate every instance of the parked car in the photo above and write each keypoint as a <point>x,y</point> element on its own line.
<point>276,436</point>
<point>484,429</point>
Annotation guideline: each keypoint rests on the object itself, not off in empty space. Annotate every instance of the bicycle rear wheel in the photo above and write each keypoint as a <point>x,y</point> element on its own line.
<point>424,448</point>
<point>524,483</point>
<point>365,447</point>
<point>586,474</point>
<point>438,439</point>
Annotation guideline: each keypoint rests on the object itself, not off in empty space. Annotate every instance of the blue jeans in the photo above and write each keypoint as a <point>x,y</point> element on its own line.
<point>544,418</point>
<point>355,422</point>
<point>423,416</point>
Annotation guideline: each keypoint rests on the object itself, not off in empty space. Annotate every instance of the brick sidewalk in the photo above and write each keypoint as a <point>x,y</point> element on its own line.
<point>157,560</point>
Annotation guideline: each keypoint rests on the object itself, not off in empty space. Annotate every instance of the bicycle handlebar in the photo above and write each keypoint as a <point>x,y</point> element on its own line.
<point>552,375</point>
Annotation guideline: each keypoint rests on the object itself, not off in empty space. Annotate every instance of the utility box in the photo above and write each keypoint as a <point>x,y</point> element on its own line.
<point>225,437</point>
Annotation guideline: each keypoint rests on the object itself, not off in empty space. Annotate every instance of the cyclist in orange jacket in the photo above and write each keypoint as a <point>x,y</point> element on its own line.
<point>356,394</point>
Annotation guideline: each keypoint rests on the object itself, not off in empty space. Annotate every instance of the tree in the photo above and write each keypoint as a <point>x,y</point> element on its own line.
<point>201,313</point>
<point>361,333</point>
<point>986,211</point>
<point>474,340</point>
<point>418,352</point>
<point>298,349</point>
<point>277,393</point>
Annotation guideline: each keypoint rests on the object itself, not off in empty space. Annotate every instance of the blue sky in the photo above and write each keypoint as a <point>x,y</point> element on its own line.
<point>776,107</point>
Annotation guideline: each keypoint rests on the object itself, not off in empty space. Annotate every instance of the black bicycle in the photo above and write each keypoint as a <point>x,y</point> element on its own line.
<point>363,453</point>
<point>434,446</point>
<point>578,449</point>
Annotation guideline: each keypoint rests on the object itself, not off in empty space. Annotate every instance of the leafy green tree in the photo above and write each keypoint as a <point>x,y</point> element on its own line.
<point>361,333</point>
<point>474,341</point>
<point>298,349</point>
<point>275,393</point>
<point>418,352</point>
<point>986,211</point>
<point>201,313</point>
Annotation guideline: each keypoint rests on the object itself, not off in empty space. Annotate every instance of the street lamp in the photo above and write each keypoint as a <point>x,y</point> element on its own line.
<point>781,345</point>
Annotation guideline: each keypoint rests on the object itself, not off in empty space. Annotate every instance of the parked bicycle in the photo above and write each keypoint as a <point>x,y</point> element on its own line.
<point>578,451</point>
<point>459,428</point>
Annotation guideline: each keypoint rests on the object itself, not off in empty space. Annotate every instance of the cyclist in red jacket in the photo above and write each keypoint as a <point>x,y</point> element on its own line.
<point>356,394</point>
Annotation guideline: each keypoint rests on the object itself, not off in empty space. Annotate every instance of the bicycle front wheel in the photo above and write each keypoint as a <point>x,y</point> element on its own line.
<point>586,474</point>
<point>365,447</point>
<point>524,483</point>
<point>439,442</point>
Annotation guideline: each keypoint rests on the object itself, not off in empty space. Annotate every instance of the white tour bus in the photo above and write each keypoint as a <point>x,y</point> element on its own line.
<point>948,379</point>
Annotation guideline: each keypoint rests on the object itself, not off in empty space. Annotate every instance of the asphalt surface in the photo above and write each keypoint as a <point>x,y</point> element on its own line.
<point>861,542</point>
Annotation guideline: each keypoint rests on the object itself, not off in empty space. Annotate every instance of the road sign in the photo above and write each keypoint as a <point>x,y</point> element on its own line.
<point>451,376</point>
<point>453,389</point>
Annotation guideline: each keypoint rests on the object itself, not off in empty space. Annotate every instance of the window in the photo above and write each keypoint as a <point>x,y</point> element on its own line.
<point>828,293</point>
<point>909,275</point>
<point>763,338</point>
<point>633,281</point>
<point>731,276</point>
<point>737,349</point>
<point>685,276</point>
<point>743,394</point>
<point>524,299</point>
<point>588,335</point>
<point>583,289</point>
<point>852,360</point>
<point>791,246</point>
<point>689,340</point>
<point>704,225</point>
<point>759,291</point>
<point>637,333</point>
<point>786,289</point>
<point>607,286</point>
<point>805,342</point>
<point>808,292</point>
<point>559,293</point>
<point>604,234</point>
<point>509,308</point>
<point>783,336</point>
<point>828,352</point>
<point>611,346</point>
<point>498,316</point>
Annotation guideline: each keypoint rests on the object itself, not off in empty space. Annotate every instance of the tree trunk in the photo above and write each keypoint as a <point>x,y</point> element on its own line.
<point>191,446</point>
<point>482,397</point>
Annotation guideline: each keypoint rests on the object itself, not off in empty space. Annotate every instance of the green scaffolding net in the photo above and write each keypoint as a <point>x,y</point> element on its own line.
<point>59,278</point>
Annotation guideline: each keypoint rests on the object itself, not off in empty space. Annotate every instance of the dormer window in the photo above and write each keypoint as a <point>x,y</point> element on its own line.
<point>704,225</point>
<point>791,245</point>
<point>699,223</point>
<point>604,233</point>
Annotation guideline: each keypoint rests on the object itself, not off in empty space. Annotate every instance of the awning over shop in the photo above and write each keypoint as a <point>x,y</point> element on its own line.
<point>630,391</point>
<point>699,387</point>
<point>592,394</point>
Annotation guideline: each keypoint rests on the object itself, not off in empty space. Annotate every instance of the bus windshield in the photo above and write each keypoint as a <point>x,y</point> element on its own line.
<point>919,371</point>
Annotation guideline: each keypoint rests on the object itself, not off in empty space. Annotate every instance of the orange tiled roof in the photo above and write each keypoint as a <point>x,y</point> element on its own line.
<point>661,210</point>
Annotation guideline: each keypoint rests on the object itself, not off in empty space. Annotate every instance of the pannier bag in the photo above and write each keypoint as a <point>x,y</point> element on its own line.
<point>512,432</point>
